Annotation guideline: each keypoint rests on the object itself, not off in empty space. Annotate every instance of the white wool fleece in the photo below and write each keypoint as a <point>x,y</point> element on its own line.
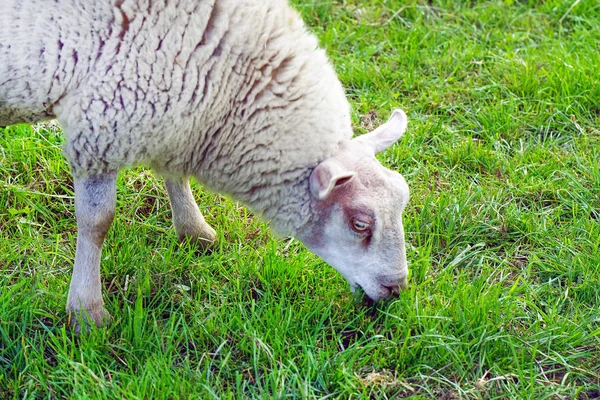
<point>233,92</point>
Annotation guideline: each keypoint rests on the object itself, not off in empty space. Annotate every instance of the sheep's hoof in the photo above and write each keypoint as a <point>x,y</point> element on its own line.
<point>82,320</point>
<point>203,238</point>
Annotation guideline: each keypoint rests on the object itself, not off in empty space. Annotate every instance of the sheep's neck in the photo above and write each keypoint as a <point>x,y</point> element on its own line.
<point>272,184</point>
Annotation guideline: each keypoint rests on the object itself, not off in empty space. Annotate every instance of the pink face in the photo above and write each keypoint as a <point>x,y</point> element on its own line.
<point>358,207</point>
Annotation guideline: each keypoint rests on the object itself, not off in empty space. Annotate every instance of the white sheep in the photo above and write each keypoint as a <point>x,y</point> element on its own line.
<point>235,93</point>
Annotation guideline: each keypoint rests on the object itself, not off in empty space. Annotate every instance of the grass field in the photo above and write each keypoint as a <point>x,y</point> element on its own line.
<point>502,157</point>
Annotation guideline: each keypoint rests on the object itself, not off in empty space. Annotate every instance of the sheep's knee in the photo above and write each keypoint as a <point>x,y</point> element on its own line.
<point>187,218</point>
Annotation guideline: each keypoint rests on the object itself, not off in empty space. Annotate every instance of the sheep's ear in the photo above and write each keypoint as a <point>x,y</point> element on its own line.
<point>327,176</point>
<point>387,134</point>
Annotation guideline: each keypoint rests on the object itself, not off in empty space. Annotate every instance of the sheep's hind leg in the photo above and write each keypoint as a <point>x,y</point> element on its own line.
<point>187,218</point>
<point>95,200</point>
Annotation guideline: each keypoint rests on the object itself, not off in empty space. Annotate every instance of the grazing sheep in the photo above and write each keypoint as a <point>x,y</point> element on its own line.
<point>235,93</point>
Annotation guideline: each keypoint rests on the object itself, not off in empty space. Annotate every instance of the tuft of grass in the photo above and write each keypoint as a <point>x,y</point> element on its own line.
<point>502,157</point>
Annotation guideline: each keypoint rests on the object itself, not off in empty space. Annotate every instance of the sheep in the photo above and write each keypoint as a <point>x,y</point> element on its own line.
<point>235,93</point>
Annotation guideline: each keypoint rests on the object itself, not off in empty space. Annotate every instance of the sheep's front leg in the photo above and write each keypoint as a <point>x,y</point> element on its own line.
<point>95,200</point>
<point>188,221</point>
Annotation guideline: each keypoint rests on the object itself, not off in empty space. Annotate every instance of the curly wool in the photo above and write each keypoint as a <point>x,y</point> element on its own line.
<point>233,92</point>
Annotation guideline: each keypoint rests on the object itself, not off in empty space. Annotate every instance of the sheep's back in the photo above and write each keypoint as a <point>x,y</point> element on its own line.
<point>45,48</point>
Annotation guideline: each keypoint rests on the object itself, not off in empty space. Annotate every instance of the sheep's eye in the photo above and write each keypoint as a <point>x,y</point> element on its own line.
<point>360,226</point>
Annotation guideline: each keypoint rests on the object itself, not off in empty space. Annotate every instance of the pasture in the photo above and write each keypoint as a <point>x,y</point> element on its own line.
<point>502,156</point>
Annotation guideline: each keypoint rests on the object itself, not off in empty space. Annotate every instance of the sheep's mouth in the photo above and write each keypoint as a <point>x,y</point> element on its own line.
<point>393,290</point>
<point>389,293</point>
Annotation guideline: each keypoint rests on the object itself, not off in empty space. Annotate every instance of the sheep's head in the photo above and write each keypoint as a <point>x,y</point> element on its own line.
<point>358,205</point>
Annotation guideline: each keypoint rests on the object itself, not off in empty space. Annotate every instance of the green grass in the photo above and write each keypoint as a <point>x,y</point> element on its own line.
<point>502,157</point>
